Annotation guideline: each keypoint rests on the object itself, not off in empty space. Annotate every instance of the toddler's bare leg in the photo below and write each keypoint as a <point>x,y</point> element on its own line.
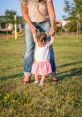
<point>43,78</point>
<point>36,77</point>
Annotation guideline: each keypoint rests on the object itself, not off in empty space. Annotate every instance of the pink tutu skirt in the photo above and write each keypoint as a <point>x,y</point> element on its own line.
<point>41,68</point>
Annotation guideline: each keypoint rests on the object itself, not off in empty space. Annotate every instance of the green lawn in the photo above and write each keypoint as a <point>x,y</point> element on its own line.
<point>61,100</point>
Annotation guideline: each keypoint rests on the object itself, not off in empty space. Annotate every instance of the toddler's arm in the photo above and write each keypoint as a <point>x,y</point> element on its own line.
<point>34,38</point>
<point>52,39</point>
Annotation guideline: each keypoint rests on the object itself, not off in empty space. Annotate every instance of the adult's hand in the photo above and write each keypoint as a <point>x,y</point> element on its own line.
<point>33,29</point>
<point>52,31</point>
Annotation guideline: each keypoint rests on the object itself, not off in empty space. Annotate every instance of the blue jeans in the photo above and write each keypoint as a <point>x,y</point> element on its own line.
<point>29,47</point>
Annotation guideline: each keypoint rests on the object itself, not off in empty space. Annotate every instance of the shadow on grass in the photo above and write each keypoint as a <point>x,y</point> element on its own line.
<point>10,67</point>
<point>68,64</point>
<point>70,74</point>
<point>18,75</point>
<point>77,71</point>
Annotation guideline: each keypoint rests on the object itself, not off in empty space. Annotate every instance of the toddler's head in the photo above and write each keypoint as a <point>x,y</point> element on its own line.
<point>41,38</point>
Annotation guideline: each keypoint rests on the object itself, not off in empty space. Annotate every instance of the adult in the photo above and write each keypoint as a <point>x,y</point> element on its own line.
<point>38,14</point>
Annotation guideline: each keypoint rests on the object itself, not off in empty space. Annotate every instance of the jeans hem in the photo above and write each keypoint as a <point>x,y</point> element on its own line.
<point>53,74</point>
<point>27,74</point>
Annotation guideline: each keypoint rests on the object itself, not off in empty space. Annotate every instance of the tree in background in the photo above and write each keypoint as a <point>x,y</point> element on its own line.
<point>74,15</point>
<point>9,16</point>
<point>12,18</point>
<point>20,21</point>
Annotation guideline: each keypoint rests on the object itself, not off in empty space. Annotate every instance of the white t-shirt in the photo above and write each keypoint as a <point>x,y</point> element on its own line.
<point>42,54</point>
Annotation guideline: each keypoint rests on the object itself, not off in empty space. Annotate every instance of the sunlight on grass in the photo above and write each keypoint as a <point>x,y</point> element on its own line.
<point>61,100</point>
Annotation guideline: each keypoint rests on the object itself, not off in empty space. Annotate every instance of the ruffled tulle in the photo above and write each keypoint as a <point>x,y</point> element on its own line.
<point>41,68</point>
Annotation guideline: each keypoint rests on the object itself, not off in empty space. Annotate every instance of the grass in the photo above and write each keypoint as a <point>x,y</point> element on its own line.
<point>61,100</point>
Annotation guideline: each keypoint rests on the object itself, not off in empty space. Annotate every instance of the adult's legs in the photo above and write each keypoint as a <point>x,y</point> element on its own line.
<point>29,53</point>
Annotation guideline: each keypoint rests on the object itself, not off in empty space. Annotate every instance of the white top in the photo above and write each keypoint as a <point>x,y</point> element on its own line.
<point>42,54</point>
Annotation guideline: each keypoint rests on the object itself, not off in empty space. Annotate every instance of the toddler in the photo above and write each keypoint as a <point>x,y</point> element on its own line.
<point>41,65</point>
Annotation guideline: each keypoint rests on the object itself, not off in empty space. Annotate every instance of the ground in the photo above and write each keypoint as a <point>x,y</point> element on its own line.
<point>63,99</point>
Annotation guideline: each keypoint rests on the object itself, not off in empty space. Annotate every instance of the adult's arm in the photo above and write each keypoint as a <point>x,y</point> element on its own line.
<point>26,16</point>
<point>51,12</point>
<point>52,15</point>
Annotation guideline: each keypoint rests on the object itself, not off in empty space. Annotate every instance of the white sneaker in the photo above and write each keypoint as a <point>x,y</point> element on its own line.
<point>41,83</point>
<point>36,82</point>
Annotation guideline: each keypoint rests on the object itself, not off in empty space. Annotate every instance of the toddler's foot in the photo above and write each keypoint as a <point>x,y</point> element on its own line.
<point>36,82</point>
<point>41,83</point>
<point>25,82</point>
